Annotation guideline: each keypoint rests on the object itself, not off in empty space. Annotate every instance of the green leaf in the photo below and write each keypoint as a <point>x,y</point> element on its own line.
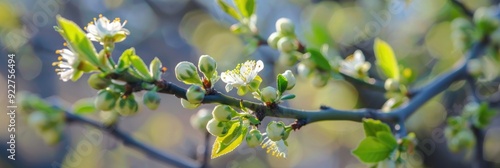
<point>386,59</point>
<point>288,97</point>
<point>318,58</point>
<point>388,139</point>
<point>78,40</point>
<point>246,7</point>
<point>155,68</point>
<point>231,141</point>
<point>282,83</point>
<point>124,60</point>
<point>228,9</point>
<point>372,127</point>
<point>372,150</point>
<point>84,106</point>
<point>140,66</point>
<point>483,117</point>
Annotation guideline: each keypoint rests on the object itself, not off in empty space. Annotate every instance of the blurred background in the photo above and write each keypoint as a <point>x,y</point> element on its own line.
<point>182,30</point>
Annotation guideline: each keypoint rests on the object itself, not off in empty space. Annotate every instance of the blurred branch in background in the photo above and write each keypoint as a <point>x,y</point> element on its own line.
<point>133,143</point>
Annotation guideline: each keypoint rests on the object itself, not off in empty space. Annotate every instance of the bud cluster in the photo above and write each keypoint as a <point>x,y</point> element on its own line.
<point>221,120</point>
<point>285,41</point>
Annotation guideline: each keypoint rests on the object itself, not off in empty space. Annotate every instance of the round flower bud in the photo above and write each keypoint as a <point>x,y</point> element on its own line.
<point>195,94</point>
<point>287,45</point>
<point>207,66</point>
<point>51,136</point>
<point>320,79</point>
<point>105,100</point>
<point>186,72</point>
<point>285,26</point>
<point>108,117</point>
<point>254,138</point>
<point>303,70</point>
<point>37,120</point>
<point>290,78</point>
<point>391,85</point>
<point>188,105</point>
<point>466,139</point>
<point>98,82</point>
<point>273,39</point>
<point>475,68</point>
<point>288,59</point>
<point>151,99</point>
<point>200,119</point>
<point>269,94</point>
<point>127,106</point>
<point>217,128</point>
<point>275,130</point>
<point>223,113</point>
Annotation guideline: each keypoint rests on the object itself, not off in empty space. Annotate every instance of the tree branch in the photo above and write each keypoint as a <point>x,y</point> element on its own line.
<point>462,8</point>
<point>133,143</point>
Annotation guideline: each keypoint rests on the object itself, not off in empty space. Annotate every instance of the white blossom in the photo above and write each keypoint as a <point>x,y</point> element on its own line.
<point>355,65</point>
<point>102,30</point>
<point>276,148</point>
<point>68,64</point>
<point>242,75</point>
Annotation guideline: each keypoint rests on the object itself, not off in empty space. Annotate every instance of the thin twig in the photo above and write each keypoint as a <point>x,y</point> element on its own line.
<point>462,8</point>
<point>133,143</point>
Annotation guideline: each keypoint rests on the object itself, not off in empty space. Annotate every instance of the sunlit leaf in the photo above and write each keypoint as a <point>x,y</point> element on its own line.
<point>386,59</point>
<point>231,141</point>
<point>124,60</point>
<point>228,9</point>
<point>140,66</point>
<point>373,149</point>
<point>318,58</point>
<point>246,7</point>
<point>372,126</point>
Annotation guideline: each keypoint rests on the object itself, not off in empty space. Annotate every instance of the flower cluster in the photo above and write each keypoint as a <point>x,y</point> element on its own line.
<point>103,30</point>
<point>244,77</point>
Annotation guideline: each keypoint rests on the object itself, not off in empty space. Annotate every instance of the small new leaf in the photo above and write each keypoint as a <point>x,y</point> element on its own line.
<point>140,66</point>
<point>319,59</point>
<point>372,127</point>
<point>374,149</point>
<point>228,9</point>
<point>288,97</point>
<point>386,59</point>
<point>246,7</point>
<point>84,106</point>
<point>231,141</point>
<point>282,83</point>
<point>124,60</point>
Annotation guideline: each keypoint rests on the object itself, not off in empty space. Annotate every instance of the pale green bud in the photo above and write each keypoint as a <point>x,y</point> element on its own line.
<point>51,136</point>
<point>275,130</point>
<point>207,66</point>
<point>105,100</point>
<point>98,82</point>
<point>223,113</point>
<point>38,120</point>
<point>151,99</point>
<point>466,138</point>
<point>186,72</point>
<point>475,68</point>
<point>108,117</point>
<point>254,138</point>
<point>127,106</point>
<point>391,85</point>
<point>155,69</point>
<point>287,44</point>
<point>195,94</point>
<point>188,105</point>
<point>269,94</point>
<point>217,128</point>
<point>290,78</point>
<point>200,119</point>
<point>288,59</point>
<point>303,70</point>
<point>285,26</point>
<point>320,79</point>
<point>273,39</point>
